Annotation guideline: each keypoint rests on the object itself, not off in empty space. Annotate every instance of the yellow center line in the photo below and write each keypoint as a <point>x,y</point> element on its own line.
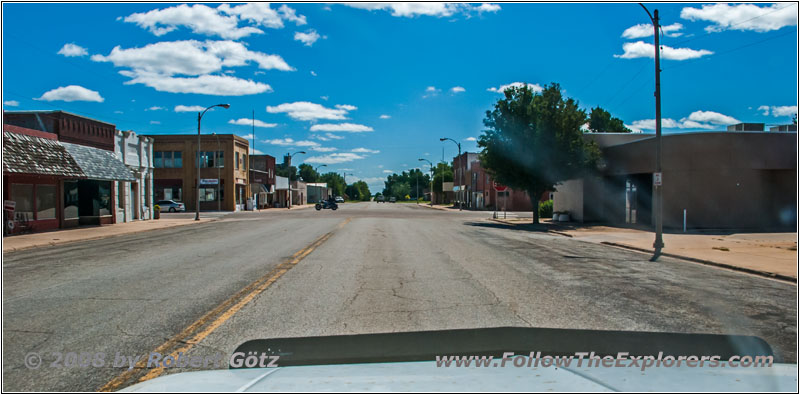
<point>223,312</point>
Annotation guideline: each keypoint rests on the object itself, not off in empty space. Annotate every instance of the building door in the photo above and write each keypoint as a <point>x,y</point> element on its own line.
<point>135,206</point>
<point>630,202</point>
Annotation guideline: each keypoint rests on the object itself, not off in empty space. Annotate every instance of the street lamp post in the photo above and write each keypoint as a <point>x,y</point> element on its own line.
<point>216,163</point>
<point>199,118</point>
<point>289,169</point>
<point>658,244</point>
<point>431,171</point>
<point>460,175</point>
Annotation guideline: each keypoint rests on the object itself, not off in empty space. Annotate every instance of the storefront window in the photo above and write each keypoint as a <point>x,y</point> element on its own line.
<point>45,201</point>
<point>22,194</point>
<point>70,199</point>
<point>104,197</point>
<point>207,194</point>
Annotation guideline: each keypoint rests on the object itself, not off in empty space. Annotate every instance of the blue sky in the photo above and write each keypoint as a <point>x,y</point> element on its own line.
<point>368,89</point>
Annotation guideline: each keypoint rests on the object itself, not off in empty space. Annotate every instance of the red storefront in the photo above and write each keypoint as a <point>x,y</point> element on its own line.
<point>35,166</point>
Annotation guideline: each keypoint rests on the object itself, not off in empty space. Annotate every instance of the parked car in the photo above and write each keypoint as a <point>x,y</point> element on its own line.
<point>339,199</point>
<point>392,199</point>
<point>380,199</point>
<point>171,206</point>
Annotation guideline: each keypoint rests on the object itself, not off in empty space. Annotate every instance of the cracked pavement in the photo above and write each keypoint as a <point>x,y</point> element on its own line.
<point>393,267</point>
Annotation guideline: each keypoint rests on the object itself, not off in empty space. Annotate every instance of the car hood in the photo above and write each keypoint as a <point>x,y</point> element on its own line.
<point>425,376</point>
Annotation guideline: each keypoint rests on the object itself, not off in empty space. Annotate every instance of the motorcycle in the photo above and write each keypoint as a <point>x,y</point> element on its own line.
<point>325,204</point>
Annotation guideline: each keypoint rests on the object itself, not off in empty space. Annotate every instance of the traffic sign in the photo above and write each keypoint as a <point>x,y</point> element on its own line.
<point>498,187</point>
<point>657,179</point>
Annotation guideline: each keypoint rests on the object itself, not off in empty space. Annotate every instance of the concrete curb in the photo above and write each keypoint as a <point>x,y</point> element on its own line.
<point>58,243</point>
<point>707,262</point>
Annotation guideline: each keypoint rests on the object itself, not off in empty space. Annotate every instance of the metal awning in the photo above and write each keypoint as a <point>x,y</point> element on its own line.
<point>23,154</point>
<point>258,188</point>
<point>99,164</point>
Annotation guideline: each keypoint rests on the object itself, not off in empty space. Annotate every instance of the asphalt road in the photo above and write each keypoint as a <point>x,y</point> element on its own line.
<point>366,268</point>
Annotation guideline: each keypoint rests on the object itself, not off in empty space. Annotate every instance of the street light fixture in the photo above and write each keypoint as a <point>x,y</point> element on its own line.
<point>658,244</point>
<point>315,169</point>
<point>461,174</point>
<point>289,169</point>
<point>430,164</point>
<point>199,118</point>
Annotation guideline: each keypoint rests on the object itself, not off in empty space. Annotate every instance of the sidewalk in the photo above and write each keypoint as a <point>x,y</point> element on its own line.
<point>767,254</point>
<point>22,242</point>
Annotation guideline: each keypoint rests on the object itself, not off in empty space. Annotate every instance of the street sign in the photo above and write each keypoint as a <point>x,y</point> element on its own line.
<point>208,181</point>
<point>657,179</point>
<point>498,187</point>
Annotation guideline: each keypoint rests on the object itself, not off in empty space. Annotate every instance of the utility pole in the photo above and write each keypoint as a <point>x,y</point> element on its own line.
<point>430,164</point>
<point>460,174</point>
<point>200,118</point>
<point>658,244</point>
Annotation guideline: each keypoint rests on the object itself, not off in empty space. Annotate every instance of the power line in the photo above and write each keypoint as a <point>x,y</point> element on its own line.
<point>730,26</point>
<point>692,61</point>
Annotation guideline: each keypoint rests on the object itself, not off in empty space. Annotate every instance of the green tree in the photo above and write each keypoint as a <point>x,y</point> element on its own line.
<point>409,178</point>
<point>601,121</point>
<point>358,190</point>
<point>401,190</point>
<point>282,171</point>
<point>308,174</point>
<point>533,141</point>
<point>443,172</point>
<point>335,181</point>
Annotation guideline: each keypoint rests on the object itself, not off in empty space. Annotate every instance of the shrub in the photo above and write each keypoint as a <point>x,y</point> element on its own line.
<point>546,209</point>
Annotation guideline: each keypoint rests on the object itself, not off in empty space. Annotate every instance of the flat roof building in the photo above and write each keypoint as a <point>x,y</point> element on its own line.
<point>224,170</point>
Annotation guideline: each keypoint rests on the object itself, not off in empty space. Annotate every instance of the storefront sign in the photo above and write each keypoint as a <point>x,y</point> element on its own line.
<point>9,205</point>
<point>209,181</point>
<point>241,181</point>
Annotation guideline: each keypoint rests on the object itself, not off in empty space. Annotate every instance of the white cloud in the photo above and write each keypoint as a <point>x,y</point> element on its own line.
<point>341,127</point>
<point>288,141</point>
<point>217,85</point>
<point>488,7</point>
<point>641,49</point>
<point>333,136</point>
<point>156,65</point>
<point>338,157</point>
<point>313,73</point>
<point>118,112</point>
<point>713,118</point>
<point>155,123</point>
<point>457,89</point>
<point>365,151</point>
<point>11,103</point>
<point>431,91</point>
<point>251,122</point>
<point>502,88</point>
<point>200,18</point>
<point>324,98</point>
<point>307,111</point>
<point>190,57</point>
<point>743,16</point>
<point>470,139</point>
<point>308,38</point>
<point>72,93</point>
<point>346,107</point>
<point>410,10</point>
<point>778,111</point>
<point>182,108</point>
<point>388,171</point>
<point>290,14</point>
<point>695,120</point>
<point>384,116</point>
<point>155,108</point>
<point>323,149</point>
<point>71,49</point>
<point>646,30</point>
